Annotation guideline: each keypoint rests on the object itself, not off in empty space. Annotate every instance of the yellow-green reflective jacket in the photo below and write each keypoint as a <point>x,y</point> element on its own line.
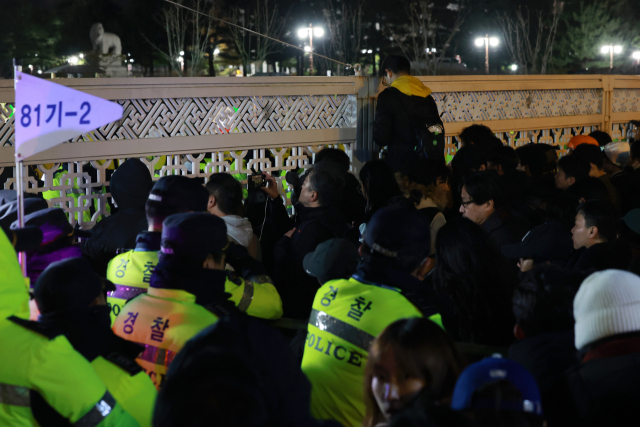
<point>75,192</point>
<point>136,393</point>
<point>59,374</point>
<point>162,320</point>
<point>131,271</point>
<point>347,315</point>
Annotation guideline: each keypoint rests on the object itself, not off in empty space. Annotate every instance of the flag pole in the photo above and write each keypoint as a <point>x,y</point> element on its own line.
<point>22,256</point>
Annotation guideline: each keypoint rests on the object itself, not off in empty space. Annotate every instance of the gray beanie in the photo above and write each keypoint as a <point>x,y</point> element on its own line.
<point>607,304</point>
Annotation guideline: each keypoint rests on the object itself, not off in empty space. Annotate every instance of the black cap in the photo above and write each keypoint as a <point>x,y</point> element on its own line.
<point>194,234</point>
<point>7,196</point>
<point>9,211</point>
<point>24,239</point>
<point>333,259</point>
<point>547,242</point>
<point>53,223</point>
<point>399,232</point>
<point>69,284</point>
<point>180,192</point>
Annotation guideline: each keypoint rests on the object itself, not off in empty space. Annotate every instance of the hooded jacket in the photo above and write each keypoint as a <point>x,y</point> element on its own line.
<point>239,229</point>
<point>404,111</point>
<point>130,187</point>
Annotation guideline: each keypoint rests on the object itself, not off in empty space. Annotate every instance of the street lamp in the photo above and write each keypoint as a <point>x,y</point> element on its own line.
<point>636,55</point>
<point>73,60</point>
<point>486,41</point>
<point>310,32</point>
<point>611,49</point>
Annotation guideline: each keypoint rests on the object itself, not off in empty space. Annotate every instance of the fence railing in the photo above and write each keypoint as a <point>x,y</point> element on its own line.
<point>200,126</point>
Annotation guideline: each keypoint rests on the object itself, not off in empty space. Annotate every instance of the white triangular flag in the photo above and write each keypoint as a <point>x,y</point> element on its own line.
<point>48,114</point>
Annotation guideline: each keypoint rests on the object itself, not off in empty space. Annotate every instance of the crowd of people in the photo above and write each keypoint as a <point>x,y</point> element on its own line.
<point>501,289</point>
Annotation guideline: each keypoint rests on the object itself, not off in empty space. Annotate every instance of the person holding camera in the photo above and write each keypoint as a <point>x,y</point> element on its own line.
<point>318,218</point>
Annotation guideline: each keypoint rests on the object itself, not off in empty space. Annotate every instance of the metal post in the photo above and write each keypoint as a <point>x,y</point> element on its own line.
<point>311,49</point>
<point>486,56</point>
<point>22,256</point>
<point>611,63</point>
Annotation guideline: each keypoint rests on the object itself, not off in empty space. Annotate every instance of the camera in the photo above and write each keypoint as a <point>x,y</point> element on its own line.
<point>256,180</point>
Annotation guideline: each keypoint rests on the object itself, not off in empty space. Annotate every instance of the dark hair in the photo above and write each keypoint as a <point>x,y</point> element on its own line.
<point>396,64</point>
<point>533,156</point>
<point>543,301</point>
<point>468,159</point>
<point>471,271</point>
<point>574,167</point>
<point>426,171</point>
<point>333,155</point>
<point>493,415</point>
<point>480,136</point>
<point>634,150</point>
<point>380,184</point>
<point>482,187</point>
<point>422,349</point>
<point>562,209</point>
<point>228,193</point>
<point>158,211</point>
<point>602,215</point>
<point>603,138</point>
<point>589,188</point>
<point>590,154</point>
<point>504,156</point>
<point>328,180</point>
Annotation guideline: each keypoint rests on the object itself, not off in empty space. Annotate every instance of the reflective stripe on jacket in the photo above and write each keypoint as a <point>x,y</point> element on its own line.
<point>162,320</point>
<point>131,273</point>
<point>59,374</point>
<point>131,270</point>
<point>347,315</point>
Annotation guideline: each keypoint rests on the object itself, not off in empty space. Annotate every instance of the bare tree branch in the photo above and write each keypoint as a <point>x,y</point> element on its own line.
<point>528,47</point>
<point>419,38</point>
<point>344,30</point>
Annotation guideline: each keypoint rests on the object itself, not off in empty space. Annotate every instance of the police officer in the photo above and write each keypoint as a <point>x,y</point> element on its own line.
<point>131,271</point>
<point>184,195</point>
<point>43,380</point>
<point>187,290</point>
<point>72,300</point>
<point>348,314</point>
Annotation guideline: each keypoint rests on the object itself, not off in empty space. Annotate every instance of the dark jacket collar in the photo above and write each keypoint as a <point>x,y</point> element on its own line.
<point>497,219</point>
<point>148,241</point>
<point>614,346</point>
<point>89,332</point>
<point>207,285</point>
<point>419,294</point>
<point>329,216</point>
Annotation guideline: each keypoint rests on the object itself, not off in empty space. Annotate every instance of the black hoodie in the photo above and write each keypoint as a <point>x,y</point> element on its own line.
<point>130,187</point>
<point>236,372</point>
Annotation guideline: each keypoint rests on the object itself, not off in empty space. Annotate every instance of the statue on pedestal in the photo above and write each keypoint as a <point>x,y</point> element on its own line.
<point>107,51</point>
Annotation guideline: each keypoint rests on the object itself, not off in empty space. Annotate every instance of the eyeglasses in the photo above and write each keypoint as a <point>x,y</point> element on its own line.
<point>465,204</point>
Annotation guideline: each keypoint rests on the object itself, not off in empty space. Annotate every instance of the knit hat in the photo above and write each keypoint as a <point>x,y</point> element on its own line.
<point>607,304</point>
